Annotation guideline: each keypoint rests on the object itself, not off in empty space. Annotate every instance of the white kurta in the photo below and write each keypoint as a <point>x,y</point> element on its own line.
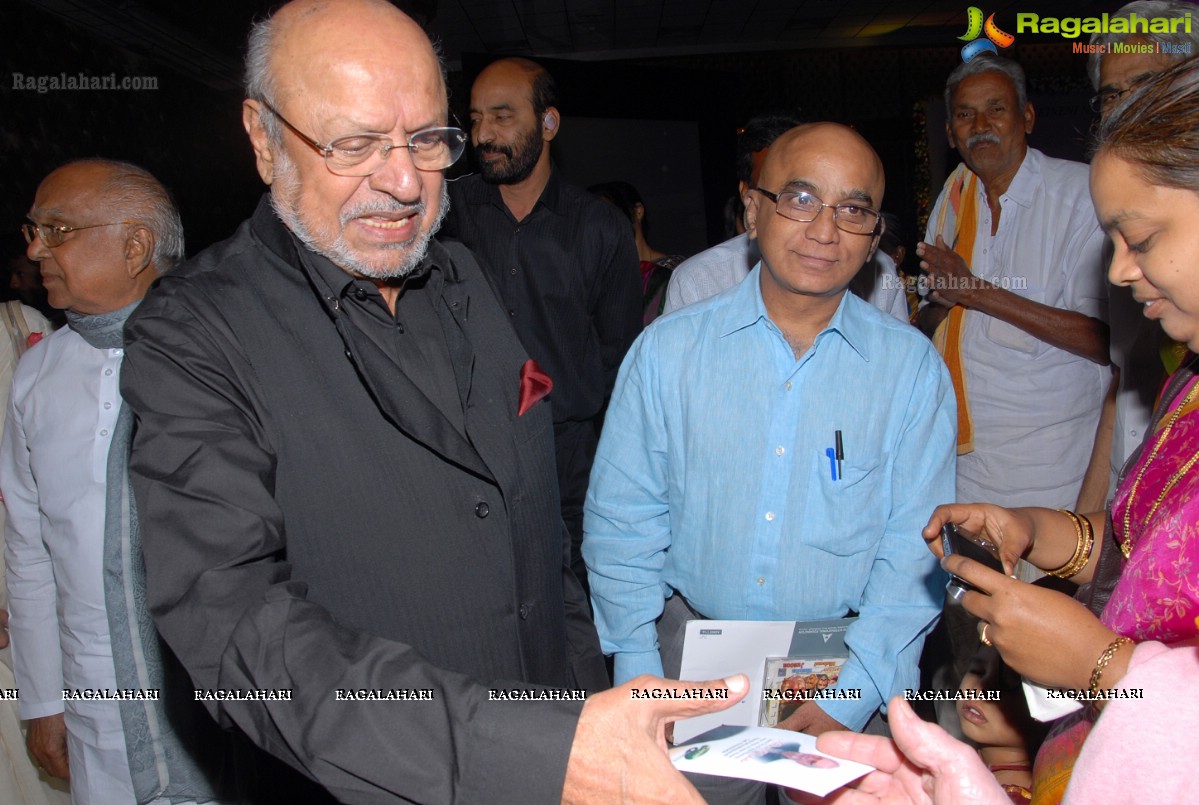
<point>53,459</point>
<point>20,784</point>
<point>1035,406</point>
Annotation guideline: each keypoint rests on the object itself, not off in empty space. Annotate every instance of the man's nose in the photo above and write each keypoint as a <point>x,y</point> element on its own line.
<point>37,250</point>
<point>823,227</point>
<point>398,176</point>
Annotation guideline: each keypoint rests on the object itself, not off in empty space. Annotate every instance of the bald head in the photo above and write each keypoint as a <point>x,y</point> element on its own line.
<point>823,141</point>
<point>515,71</point>
<point>310,40</point>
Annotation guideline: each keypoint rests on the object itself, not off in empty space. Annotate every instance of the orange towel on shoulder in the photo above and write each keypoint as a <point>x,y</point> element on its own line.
<point>962,188</point>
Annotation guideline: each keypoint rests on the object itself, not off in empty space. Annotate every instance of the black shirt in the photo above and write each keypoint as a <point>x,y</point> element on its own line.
<point>312,520</point>
<point>569,277</point>
<point>412,337</point>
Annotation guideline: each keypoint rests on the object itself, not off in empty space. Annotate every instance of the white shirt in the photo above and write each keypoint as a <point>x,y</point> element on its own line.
<point>1035,407</point>
<point>37,323</point>
<point>711,271</point>
<point>53,461</point>
<point>879,284</point>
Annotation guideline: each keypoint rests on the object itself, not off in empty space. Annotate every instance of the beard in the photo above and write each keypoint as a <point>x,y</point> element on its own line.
<point>390,261</point>
<point>522,158</point>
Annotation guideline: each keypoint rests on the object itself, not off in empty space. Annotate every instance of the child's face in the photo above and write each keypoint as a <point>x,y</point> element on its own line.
<point>985,722</point>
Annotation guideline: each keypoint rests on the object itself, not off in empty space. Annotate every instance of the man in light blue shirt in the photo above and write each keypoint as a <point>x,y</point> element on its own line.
<point>712,483</point>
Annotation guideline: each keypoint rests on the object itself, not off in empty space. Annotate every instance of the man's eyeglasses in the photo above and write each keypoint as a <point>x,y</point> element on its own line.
<point>53,235</point>
<point>799,205</point>
<point>363,154</point>
<point>1108,98</point>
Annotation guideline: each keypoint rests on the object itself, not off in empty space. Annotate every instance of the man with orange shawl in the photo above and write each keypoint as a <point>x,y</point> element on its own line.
<point>1018,298</point>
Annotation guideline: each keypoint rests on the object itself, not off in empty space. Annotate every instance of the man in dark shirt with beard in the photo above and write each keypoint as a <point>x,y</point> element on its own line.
<point>563,261</point>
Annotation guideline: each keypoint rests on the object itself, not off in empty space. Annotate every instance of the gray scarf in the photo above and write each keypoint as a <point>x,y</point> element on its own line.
<point>159,763</point>
<point>103,331</point>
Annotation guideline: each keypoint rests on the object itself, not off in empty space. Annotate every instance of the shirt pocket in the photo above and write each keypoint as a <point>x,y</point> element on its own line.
<point>1010,336</point>
<point>847,517</point>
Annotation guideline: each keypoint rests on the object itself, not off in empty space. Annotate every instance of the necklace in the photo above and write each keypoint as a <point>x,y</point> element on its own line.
<point>1126,543</point>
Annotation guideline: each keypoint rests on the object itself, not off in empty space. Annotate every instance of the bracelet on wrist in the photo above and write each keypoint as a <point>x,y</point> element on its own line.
<point>1105,658</point>
<point>1084,534</point>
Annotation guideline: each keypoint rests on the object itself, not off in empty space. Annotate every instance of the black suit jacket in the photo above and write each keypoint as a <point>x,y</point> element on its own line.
<point>312,522</point>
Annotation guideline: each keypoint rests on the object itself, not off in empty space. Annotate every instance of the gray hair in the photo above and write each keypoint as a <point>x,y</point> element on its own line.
<point>260,83</point>
<point>986,64</point>
<point>1148,9</point>
<point>133,193</point>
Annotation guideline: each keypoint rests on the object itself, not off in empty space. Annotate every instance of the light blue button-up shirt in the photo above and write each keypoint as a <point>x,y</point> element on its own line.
<point>712,479</point>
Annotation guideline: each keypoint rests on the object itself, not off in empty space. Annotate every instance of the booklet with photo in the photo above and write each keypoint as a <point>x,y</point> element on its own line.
<point>781,757</point>
<point>790,681</point>
<point>761,650</point>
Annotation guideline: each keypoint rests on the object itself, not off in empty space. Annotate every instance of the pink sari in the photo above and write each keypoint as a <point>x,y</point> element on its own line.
<point>1157,596</point>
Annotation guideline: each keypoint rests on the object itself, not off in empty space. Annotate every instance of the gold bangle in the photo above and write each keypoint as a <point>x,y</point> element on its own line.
<point>1085,535</point>
<point>1104,659</point>
<point>1084,555</point>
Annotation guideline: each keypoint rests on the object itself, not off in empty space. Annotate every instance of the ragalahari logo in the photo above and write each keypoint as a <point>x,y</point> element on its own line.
<point>975,27</point>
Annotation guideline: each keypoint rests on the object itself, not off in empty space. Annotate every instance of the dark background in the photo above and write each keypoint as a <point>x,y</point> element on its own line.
<point>653,92</point>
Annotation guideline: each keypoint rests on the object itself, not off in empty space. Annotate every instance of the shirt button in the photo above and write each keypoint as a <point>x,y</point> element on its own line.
<point>482,510</point>
<point>360,294</point>
<point>524,612</point>
<point>788,386</point>
<point>1133,432</point>
<point>107,372</point>
<point>512,313</point>
<point>770,517</point>
<point>104,432</point>
<point>778,451</point>
<point>513,272</point>
<point>107,405</point>
<point>761,580</point>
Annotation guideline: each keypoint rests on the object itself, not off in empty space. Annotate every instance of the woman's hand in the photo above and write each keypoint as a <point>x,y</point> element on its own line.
<point>1041,634</point>
<point>1011,531</point>
<point>922,765</point>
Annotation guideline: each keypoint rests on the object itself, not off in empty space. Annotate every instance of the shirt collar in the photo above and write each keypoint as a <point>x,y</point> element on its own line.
<point>486,193</point>
<point>746,308</point>
<point>1027,180</point>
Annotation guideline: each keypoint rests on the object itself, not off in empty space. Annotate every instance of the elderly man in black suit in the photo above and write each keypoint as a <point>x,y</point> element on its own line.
<point>344,464</point>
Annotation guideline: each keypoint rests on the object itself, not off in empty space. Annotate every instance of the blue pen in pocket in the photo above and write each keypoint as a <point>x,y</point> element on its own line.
<point>832,461</point>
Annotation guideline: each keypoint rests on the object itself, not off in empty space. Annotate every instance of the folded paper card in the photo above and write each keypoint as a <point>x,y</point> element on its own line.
<point>782,757</point>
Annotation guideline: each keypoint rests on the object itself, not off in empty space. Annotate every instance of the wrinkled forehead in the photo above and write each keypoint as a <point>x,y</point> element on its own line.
<point>68,190</point>
<point>987,85</point>
<point>388,63</point>
<point>502,83</point>
<point>1119,70</point>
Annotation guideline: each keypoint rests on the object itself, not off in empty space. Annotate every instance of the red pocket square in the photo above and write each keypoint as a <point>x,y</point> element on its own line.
<point>534,384</point>
<point>32,339</point>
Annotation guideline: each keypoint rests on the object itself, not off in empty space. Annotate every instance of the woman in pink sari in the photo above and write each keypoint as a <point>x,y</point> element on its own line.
<point>1144,551</point>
